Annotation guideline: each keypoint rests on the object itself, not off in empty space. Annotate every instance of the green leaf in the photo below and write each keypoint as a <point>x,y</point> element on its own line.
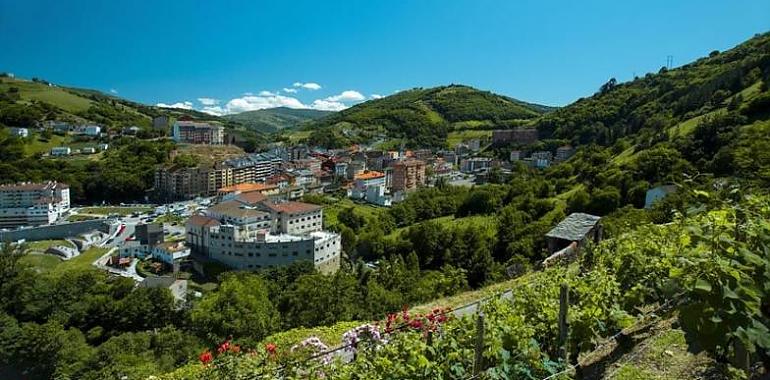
<point>703,285</point>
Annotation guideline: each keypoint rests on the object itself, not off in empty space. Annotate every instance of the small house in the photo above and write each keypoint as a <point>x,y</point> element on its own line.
<point>578,227</point>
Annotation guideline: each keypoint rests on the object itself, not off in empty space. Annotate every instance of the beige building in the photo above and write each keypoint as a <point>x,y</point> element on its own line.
<point>408,175</point>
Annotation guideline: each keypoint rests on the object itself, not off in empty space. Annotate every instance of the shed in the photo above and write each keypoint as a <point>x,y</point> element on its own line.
<point>578,227</point>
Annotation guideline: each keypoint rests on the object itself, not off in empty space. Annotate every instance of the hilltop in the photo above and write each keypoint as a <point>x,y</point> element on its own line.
<point>423,116</point>
<point>275,119</point>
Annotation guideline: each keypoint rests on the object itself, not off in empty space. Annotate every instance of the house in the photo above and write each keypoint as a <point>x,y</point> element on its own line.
<point>103,147</point>
<point>60,151</point>
<point>563,153</point>
<point>19,132</point>
<point>88,150</point>
<point>515,155</point>
<point>92,130</point>
<point>131,130</point>
<point>657,193</point>
<point>578,227</point>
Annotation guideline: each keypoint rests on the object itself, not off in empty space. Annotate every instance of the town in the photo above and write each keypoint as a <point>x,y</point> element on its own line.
<point>244,212</point>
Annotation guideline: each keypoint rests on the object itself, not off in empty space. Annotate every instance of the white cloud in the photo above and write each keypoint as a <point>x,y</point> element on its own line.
<point>214,110</point>
<point>290,90</point>
<point>267,93</point>
<point>375,96</point>
<point>182,105</point>
<point>347,96</point>
<point>208,101</point>
<point>252,103</point>
<point>327,105</point>
<point>113,91</point>
<point>309,85</point>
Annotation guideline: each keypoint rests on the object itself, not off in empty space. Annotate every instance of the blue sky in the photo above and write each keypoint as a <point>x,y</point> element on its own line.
<point>239,55</point>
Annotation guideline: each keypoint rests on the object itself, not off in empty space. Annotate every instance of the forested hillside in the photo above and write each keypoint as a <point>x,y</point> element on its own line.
<point>275,119</point>
<point>423,117</point>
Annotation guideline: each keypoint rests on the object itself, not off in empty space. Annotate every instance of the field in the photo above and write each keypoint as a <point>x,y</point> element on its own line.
<point>40,145</point>
<point>107,210</point>
<point>331,211</point>
<point>47,263</point>
<point>454,138</point>
<point>54,95</point>
<point>42,245</point>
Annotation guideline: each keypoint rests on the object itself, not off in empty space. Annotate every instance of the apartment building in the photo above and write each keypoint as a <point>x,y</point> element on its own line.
<point>192,132</point>
<point>33,204</point>
<point>408,175</point>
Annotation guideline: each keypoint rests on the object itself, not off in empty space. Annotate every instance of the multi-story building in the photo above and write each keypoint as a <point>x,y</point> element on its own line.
<point>563,153</point>
<point>253,168</point>
<point>33,204</point>
<point>473,164</point>
<point>149,234</point>
<point>542,155</point>
<point>251,234</point>
<point>521,136</point>
<point>365,180</point>
<point>408,175</point>
<point>192,132</point>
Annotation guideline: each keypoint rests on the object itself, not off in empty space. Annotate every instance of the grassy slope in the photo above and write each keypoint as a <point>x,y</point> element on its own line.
<point>274,119</point>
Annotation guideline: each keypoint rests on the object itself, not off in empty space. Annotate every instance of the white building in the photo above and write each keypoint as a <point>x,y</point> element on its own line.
<point>33,204</point>
<point>61,151</point>
<point>19,132</point>
<point>252,233</point>
<point>92,130</point>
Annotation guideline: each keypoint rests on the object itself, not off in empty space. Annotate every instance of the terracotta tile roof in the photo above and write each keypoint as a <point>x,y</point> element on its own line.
<point>251,198</point>
<point>247,187</point>
<point>369,175</point>
<point>292,207</point>
<point>202,221</point>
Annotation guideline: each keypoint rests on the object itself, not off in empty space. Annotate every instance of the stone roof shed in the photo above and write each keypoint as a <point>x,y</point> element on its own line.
<point>578,227</point>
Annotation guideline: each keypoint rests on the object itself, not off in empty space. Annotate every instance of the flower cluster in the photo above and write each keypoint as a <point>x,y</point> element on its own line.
<point>367,332</point>
<point>422,322</point>
<point>313,345</point>
<point>225,347</point>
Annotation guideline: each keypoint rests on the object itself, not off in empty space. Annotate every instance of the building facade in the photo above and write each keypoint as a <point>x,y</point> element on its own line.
<point>248,235</point>
<point>191,132</point>
<point>521,136</point>
<point>33,204</point>
<point>408,175</point>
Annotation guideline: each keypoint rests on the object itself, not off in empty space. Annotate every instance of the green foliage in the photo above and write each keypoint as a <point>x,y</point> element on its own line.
<point>240,307</point>
<point>275,119</point>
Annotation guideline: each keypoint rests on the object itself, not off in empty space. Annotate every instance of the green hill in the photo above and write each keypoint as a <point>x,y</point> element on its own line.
<point>422,117</point>
<point>27,102</point>
<point>275,119</point>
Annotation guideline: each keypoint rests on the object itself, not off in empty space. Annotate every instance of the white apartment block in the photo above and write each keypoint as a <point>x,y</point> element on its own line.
<point>33,204</point>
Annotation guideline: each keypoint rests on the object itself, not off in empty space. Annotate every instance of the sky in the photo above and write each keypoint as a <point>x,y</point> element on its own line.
<point>234,56</point>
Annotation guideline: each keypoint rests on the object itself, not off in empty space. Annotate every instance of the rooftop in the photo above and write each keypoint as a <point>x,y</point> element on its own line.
<point>196,124</point>
<point>235,209</point>
<point>202,221</point>
<point>27,186</point>
<point>251,198</point>
<point>247,187</point>
<point>369,175</point>
<point>574,227</point>
<point>292,207</point>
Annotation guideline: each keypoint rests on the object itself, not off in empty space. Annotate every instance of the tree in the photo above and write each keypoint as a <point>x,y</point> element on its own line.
<point>320,299</point>
<point>239,308</point>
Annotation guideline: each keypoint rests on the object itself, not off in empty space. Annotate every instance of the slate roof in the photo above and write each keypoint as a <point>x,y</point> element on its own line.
<point>574,227</point>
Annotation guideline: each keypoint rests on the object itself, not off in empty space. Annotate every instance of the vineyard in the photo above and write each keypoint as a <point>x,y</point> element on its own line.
<point>708,270</point>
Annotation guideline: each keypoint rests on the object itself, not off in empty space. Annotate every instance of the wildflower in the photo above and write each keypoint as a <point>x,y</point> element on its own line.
<point>206,357</point>
<point>416,324</point>
<point>223,347</point>
<point>270,348</point>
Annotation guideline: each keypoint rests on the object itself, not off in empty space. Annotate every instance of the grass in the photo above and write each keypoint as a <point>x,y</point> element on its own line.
<point>170,218</point>
<point>120,210</point>
<point>80,217</point>
<point>331,211</point>
<point>624,157</point>
<point>688,126</point>
<point>456,137</point>
<point>41,262</point>
<point>57,96</point>
<point>84,260</point>
<point>664,356</point>
<point>42,245</point>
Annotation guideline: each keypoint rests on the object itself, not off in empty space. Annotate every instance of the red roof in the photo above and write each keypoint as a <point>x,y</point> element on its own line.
<point>251,198</point>
<point>202,221</point>
<point>292,207</point>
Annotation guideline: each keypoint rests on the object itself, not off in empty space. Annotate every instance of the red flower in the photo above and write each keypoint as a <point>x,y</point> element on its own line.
<point>206,357</point>
<point>416,324</point>
<point>270,348</point>
<point>223,347</point>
